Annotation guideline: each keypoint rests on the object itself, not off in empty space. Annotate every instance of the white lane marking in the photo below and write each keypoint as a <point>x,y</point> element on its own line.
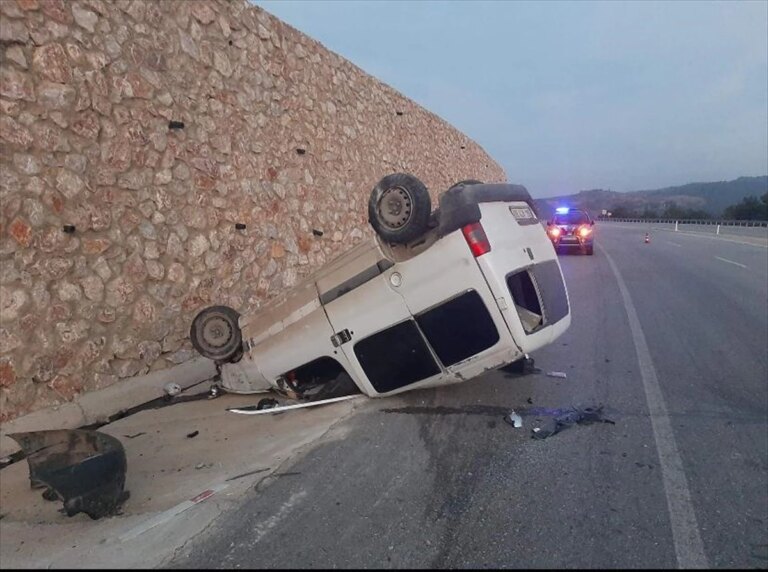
<point>674,243</point>
<point>730,261</point>
<point>685,530</point>
<point>167,515</point>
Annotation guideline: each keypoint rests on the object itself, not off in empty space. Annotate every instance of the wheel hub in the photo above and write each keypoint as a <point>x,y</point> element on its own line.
<point>216,331</point>
<point>395,207</point>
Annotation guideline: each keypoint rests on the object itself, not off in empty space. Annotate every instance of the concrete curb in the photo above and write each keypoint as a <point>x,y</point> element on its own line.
<point>98,406</point>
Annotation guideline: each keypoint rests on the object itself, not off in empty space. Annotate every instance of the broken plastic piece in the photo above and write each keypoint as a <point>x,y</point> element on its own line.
<point>193,434</point>
<point>85,469</point>
<point>560,374</point>
<point>172,389</point>
<point>514,419</point>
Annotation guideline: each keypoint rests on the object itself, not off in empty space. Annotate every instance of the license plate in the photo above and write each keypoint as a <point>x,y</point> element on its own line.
<point>522,213</point>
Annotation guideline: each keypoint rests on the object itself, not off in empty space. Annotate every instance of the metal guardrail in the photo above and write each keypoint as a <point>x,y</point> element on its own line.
<point>743,228</point>
<point>698,222</point>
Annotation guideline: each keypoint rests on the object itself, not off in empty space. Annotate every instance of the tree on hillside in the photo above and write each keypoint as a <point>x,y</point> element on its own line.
<point>621,212</point>
<point>750,208</point>
<point>671,210</point>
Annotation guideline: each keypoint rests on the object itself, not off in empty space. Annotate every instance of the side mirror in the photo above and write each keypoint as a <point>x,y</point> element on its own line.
<point>592,223</point>
<point>549,223</point>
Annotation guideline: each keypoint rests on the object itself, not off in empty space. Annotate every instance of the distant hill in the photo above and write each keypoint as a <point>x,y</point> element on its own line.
<point>709,198</point>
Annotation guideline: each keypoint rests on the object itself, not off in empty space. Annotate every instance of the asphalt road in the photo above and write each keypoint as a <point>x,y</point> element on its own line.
<point>436,478</point>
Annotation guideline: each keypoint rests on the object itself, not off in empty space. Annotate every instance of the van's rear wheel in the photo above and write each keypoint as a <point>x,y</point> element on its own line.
<point>399,208</point>
<point>215,334</point>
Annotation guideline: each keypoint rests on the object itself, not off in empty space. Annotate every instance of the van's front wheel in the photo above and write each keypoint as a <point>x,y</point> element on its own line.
<point>399,208</point>
<point>215,334</point>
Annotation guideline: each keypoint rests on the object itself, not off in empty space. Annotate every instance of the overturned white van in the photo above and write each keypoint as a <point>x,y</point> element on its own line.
<point>434,298</point>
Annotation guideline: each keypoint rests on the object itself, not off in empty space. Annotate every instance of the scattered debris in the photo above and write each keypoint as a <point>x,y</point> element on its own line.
<point>529,401</point>
<point>568,418</point>
<point>134,435</point>
<point>85,469</point>
<point>514,419</point>
<point>267,403</point>
<point>193,434</point>
<point>240,476</point>
<point>11,459</point>
<point>203,465</point>
<point>172,389</point>
<point>560,374</point>
<point>214,391</point>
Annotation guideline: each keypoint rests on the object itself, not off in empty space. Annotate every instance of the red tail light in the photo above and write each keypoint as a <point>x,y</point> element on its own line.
<point>476,239</point>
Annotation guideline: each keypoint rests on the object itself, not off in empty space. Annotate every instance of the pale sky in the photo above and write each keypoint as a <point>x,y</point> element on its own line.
<point>569,96</point>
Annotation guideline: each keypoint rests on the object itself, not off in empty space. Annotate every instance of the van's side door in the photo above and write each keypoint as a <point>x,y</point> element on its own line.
<point>375,330</point>
<point>446,291</point>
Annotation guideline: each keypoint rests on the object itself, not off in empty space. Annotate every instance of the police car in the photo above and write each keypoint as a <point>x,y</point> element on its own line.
<point>571,229</point>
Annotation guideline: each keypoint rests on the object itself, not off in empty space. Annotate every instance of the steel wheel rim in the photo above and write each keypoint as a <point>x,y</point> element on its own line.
<point>216,332</point>
<point>395,207</point>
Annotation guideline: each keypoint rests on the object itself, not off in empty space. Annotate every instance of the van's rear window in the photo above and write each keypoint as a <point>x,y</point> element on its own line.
<point>526,300</point>
<point>459,328</point>
<point>539,295</point>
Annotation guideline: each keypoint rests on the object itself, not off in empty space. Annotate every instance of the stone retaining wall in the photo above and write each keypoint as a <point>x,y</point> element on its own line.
<point>134,135</point>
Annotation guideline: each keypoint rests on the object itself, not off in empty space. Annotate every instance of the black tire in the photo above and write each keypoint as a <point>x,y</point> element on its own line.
<point>590,250</point>
<point>407,204</point>
<point>215,334</point>
<point>467,182</point>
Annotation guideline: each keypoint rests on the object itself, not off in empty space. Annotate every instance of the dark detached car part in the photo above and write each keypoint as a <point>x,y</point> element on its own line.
<point>85,469</point>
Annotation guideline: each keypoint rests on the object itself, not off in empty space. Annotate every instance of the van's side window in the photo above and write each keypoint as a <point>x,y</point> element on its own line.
<point>459,328</point>
<point>396,357</point>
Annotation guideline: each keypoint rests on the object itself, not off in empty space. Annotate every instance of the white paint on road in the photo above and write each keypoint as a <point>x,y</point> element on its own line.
<point>730,261</point>
<point>685,529</point>
<point>674,244</point>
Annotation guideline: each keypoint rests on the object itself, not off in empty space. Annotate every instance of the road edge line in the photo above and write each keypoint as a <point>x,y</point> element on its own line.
<point>689,547</point>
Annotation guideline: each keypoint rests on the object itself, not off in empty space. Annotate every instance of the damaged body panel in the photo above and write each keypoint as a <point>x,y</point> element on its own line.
<point>85,469</point>
<point>395,317</point>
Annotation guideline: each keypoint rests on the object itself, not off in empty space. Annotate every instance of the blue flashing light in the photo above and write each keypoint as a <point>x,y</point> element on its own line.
<point>562,210</point>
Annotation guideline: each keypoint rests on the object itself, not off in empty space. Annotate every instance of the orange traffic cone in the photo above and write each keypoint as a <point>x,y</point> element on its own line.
<point>647,238</point>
